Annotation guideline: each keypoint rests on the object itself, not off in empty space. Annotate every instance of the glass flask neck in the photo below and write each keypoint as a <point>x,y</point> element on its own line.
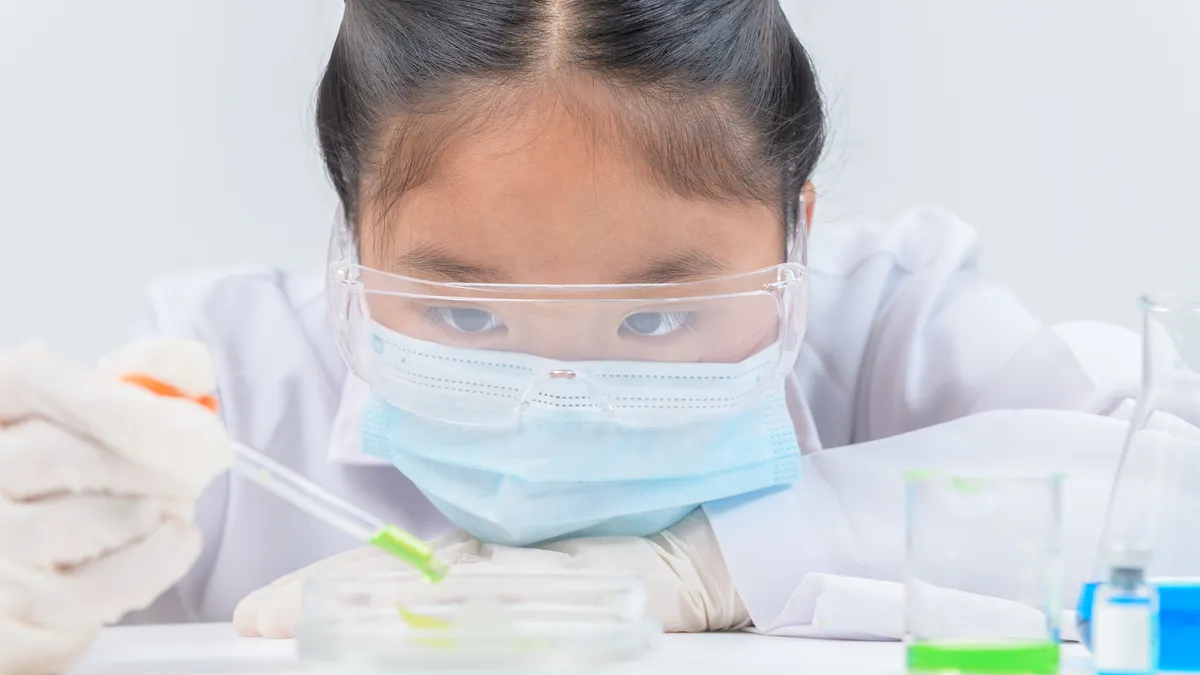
<point>1171,340</point>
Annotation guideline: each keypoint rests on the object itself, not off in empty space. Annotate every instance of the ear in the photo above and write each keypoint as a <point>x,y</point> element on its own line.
<point>810,203</point>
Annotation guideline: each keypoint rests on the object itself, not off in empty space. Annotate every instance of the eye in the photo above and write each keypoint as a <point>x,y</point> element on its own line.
<point>464,319</point>
<point>655,324</point>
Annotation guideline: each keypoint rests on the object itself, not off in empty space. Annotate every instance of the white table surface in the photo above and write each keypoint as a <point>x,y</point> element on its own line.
<point>214,650</point>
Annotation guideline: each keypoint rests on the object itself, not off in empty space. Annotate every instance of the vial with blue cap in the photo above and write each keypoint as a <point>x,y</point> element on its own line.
<point>1124,619</point>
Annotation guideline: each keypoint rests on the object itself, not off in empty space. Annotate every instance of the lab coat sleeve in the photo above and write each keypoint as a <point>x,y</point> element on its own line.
<point>956,376</point>
<point>169,312</point>
<point>790,552</point>
<point>947,342</point>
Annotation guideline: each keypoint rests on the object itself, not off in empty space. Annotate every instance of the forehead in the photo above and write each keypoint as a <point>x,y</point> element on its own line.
<point>554,195</point>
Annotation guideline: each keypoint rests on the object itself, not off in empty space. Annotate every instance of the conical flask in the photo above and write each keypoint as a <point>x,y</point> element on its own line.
<point>1153,517</point>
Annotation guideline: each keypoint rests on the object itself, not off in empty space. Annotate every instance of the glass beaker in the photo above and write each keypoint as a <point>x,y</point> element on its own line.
<point>983,580</point>
<point>1154,512</point>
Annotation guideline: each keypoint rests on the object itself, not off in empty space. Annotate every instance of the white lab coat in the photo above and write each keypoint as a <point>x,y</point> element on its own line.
<point>906,344</point>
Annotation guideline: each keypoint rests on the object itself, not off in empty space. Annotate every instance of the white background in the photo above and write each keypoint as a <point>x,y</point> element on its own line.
<point>141,137</point>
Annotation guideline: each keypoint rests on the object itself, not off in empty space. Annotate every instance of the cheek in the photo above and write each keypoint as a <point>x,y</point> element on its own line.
<point>750,328</point>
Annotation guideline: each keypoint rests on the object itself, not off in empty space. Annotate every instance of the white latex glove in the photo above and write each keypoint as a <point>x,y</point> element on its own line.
<point>689,588</point>
<point>97,483</point>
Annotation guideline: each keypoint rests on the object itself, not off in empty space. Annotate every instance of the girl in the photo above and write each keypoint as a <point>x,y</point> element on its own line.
<point>569,281</point>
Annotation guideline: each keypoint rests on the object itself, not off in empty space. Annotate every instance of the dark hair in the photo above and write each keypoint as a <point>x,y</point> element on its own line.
<point>718,95</point>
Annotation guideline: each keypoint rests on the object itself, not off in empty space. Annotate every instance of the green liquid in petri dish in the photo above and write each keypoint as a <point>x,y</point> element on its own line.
<point>984,658</point>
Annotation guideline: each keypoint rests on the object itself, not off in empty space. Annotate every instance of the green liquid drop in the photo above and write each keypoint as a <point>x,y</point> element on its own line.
<point>411,550</point>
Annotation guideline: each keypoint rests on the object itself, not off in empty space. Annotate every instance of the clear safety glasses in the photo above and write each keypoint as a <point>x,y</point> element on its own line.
<point>643,355</point>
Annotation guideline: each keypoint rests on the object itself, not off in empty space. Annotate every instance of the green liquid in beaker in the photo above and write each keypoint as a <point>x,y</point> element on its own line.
<point>984,658</point>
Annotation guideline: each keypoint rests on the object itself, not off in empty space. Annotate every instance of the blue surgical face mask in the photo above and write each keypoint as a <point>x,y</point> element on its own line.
<point>557,473</point>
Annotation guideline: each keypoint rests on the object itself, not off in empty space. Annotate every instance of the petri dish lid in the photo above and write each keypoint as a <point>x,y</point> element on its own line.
<point>475,621</point>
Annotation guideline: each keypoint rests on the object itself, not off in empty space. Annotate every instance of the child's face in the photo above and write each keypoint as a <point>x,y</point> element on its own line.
<point>546,200</point>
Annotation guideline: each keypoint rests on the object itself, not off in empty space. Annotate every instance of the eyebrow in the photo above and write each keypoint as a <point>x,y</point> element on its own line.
<point>433,263</point>
<point>688,265</point>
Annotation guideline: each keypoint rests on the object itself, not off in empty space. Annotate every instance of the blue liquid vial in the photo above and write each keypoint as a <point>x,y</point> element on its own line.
<point>1124,624</point>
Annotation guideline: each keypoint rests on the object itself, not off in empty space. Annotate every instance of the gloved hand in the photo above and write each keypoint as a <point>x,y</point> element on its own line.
<point>689,587</point>
<point>97,484</point>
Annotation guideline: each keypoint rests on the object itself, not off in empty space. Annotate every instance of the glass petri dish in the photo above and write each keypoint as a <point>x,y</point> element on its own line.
<point>487,621</point>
